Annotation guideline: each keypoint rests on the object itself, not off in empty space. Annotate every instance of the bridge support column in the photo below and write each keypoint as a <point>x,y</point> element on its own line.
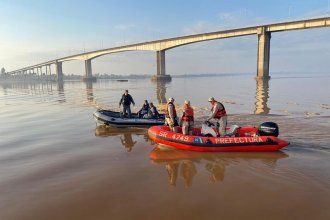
<point>263,53</point>
<point>161,73</point>
<point>88,71</point>
<point>161,63</point>
<point>59,71</point>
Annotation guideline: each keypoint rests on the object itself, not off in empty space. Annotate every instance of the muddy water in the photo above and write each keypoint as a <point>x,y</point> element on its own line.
<point>55,163</point>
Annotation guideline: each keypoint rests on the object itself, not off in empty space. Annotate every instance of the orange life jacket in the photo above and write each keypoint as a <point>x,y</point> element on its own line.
<point>188,113</point>
<point>221,112</point>
<point>167,114</point>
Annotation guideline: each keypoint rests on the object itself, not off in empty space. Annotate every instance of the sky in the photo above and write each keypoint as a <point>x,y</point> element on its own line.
<point>36,31</point>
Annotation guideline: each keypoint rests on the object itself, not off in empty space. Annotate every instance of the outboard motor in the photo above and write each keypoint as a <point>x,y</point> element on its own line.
<point>268,129</point>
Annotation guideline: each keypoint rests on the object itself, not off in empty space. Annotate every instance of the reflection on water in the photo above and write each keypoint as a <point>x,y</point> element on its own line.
<point>216,170</point>
<point>187,171</point>
<point>44,88</point>
<point>161,91</point>
<point>125,135</point>
<point>89,90</point>
<point>184,163</point>
<point>38,88</point>
<point>56,168</point>
<point>60,89</point>
<point>104,93</point>
<point>262,96</point>
<point>128,142</point>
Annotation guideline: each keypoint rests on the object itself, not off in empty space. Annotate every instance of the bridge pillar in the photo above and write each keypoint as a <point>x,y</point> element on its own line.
<point>161,63</point>
<point>88,71</point>
<point>59,71</point>
<point>161,73</point>
<point>263,53</point>
<point>88,68</point>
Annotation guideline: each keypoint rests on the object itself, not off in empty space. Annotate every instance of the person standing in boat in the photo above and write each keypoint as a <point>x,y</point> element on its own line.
<point>126,100</point>
<point>170,115</point>
<point>220,115</point>
<point>187,120</point>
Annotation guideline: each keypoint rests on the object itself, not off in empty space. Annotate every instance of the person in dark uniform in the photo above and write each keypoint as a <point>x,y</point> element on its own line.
<point>144,110</point>
<point>153,112</point>
<point>126,100</point>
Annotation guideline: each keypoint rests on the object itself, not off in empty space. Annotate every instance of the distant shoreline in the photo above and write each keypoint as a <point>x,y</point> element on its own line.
<point>73,77</point>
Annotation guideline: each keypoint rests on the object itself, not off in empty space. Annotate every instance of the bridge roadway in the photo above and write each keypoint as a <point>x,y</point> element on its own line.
<point>263,33</point>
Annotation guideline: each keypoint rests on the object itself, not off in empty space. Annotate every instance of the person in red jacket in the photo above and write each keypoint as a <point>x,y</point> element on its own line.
<point>220,115</point>
<point>187,120</point>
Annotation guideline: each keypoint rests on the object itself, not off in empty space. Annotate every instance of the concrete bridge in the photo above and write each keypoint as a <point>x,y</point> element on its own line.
<point>263,33</point>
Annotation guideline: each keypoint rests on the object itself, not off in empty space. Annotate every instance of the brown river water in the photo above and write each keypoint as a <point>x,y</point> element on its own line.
<point>56,163</point>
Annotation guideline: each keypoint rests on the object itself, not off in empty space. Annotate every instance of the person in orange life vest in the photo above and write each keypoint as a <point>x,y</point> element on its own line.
<point>187,120</point>
<point>170,115</point>
<point>220,115</point>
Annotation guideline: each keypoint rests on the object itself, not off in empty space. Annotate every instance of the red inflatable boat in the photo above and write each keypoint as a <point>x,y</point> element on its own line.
<point>262,138</point>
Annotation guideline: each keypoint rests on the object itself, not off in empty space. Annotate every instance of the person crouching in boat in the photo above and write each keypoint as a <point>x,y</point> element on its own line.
<point>187,120</point>
<point>220,115</point>
<point>152,112</point>
<point>144,110</point>
<point>170,115</point>
<point>126,100</point>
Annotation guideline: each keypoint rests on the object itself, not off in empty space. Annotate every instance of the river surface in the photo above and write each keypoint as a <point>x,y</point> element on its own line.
<point>55,163</point>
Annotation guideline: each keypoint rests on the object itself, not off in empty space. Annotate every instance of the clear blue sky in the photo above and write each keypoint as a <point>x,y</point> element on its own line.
<point>34,31</point>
